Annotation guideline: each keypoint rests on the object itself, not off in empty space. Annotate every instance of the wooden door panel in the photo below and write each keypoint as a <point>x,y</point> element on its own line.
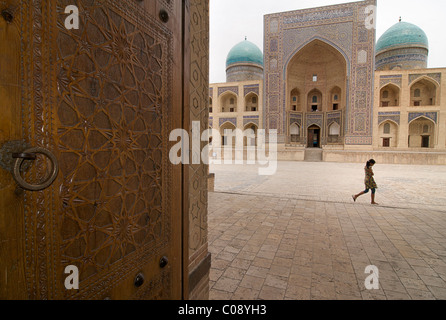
<point>103,100</point>
<point>310,138</point>
<point>11,203</point>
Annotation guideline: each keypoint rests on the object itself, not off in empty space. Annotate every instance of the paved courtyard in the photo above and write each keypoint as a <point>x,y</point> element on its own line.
<point>299,235</point>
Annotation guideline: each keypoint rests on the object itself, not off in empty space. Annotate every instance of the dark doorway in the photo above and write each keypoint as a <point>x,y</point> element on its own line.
<point>314,137</point>
<point>425,142</point>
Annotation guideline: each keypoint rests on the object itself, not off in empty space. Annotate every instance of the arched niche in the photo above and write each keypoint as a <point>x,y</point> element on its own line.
<point>314,101</point>
<point>295,100</point>
<point>250,135</point>
<point>390,96</point>
<point>317,65</point>
<point>295,133</point>
<point>336,98</point>
<point>228,102</point>
<point>422,133</point>
<point>251,102</point>
<point>388,133</point>
<point>423,92</point>
<point>227,130</point>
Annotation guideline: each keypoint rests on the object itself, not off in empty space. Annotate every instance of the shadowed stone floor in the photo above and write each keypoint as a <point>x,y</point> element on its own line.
<point>299,235</point>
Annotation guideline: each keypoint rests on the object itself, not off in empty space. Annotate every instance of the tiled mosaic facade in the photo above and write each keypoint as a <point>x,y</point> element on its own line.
<point>247,107</point>
<point>344,27</point>
<point>391,79</point>
<point>392,116</point>
<point>251,119</point>
<point>225,89</point>
<point>432,76</point>
<point>407,120</point>
<point>230,120</point>
<point>243,72</point>
<point>408,58</point>
<point>429,115</point>
<point>254,88</point>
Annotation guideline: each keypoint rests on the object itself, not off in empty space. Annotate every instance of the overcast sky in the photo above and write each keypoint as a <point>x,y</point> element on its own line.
<point>232,20</point>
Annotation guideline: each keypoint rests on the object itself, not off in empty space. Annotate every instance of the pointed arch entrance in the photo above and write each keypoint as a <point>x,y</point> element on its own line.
<point>318,72</point>
<point>422,133</point>
<point>314,136</point>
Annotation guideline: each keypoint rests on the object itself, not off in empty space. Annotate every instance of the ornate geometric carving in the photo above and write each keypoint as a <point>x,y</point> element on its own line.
<point>273,83</point>
<point>273,102</point>
<point>361,100</point>
<point>274,45</point>
<point>360,122</point>
<point>358,140</point>
<point>106,116</point>
<point>361,76</point>
<point>199,88</point>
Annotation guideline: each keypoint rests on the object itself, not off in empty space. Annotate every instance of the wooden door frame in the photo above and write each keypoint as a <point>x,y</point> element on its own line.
<point>180,103</point>
<point>196,258</point>
<point>186,126</point>
<point>319,136</point>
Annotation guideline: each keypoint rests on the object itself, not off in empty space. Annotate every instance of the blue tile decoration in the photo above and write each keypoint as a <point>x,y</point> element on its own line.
<point>222,90</point>
<point>429,115</point>
<point>385,116</point>
<point>231,120</point>
<point>342,27</point>
<point>251,88</point>
<point>433,76</point>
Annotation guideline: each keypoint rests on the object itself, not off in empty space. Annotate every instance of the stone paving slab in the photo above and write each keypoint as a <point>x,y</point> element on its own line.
<point>280,245</point>
<point>398,185</point>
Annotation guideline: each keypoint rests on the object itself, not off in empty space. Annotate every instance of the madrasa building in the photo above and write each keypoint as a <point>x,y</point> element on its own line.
<point>333,92</point>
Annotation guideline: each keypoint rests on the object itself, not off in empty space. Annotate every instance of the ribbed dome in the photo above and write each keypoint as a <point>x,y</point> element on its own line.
<point>402,34</point>
<point>245,51</point>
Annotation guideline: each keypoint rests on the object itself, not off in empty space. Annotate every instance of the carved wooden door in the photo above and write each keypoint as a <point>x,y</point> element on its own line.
<point>102,99</point>
<point>310,138</point>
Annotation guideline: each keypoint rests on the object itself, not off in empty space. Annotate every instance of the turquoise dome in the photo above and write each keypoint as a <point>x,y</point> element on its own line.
<point>400,35</point>
<point>245,51</point>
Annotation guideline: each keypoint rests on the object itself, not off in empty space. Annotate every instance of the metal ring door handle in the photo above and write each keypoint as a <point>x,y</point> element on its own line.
<point>30,155</point>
